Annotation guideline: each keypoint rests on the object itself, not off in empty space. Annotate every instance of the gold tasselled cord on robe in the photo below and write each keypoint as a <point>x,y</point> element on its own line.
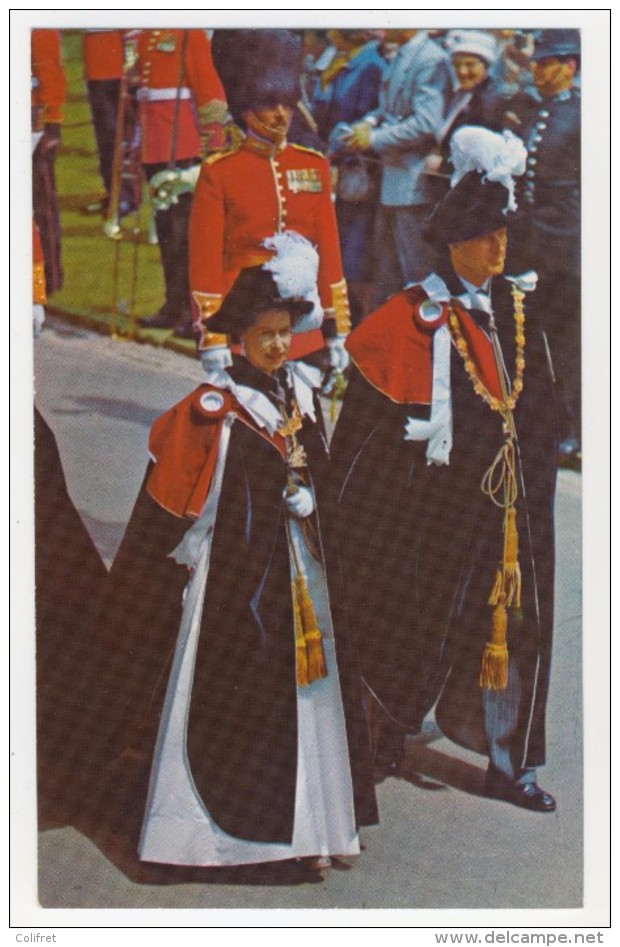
<point>309,655</point>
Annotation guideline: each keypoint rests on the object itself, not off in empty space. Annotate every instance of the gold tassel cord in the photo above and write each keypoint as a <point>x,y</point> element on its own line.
<point>301,652</point>
<point>501,486</point>
<point>317,668</point>
<point>308,638</point>
<point>312,635</point>
<point>500,480</point>
<point>494,667</point>
<point>512,569</point>
<point>310,659</point>
<point>337,394</point>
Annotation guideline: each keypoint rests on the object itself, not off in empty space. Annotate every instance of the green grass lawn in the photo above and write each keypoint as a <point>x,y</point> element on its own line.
<point>98,285</point>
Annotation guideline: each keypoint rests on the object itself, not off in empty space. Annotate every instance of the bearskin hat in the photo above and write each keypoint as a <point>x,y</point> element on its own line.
<point>258,68</point>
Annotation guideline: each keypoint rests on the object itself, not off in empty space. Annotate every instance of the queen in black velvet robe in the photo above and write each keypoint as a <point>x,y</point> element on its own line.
<point>249,765</point>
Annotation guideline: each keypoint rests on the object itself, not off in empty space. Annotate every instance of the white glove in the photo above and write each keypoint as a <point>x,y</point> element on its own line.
<point>216,359</point>
<point>438,433</point>
<point>300,503</point>
<point>338,355</point>
<point>166,186</point>
<point>38,318</point>
<point>338,361</point>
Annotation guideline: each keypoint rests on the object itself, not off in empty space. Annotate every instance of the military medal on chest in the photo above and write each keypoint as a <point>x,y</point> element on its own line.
<point>304,179</point>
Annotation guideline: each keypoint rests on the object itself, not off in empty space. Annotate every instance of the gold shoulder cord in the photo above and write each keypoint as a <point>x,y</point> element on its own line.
<point>500,485</point>
<point>309,655</point>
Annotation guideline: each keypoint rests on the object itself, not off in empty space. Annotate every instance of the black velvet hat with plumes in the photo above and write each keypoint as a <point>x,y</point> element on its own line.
<point>482,194</point>
<point>254,291</point>
<point>258,68</point>
<point>473,208</point>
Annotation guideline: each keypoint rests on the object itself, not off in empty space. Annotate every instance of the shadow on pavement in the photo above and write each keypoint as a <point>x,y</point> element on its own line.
<point>107,808</point>
<point>433,770</point>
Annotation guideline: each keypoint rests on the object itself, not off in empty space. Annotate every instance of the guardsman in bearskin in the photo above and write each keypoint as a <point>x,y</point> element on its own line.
<point>268,185</point>
<point>444,470</point>
<point>49,91</point>
<point>182,114</point>
<point>547,224</point>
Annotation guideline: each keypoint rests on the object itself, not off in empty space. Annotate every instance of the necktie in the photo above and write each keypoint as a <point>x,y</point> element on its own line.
<point>477,300</point>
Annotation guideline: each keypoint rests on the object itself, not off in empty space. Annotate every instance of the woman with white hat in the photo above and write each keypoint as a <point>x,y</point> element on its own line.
<point>476,99</point>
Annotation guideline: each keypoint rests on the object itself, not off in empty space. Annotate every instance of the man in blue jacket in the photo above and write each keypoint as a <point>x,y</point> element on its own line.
<point>401,131</point>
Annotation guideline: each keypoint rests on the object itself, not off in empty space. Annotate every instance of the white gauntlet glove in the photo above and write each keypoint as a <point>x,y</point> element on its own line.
<point>338,355</point>
<point>165,187</point>
<point>338,361</point>
<point>300,503</point>
<point>216,359</point>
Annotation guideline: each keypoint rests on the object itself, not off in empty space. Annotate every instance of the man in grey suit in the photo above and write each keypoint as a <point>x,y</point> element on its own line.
<point>401,131</point>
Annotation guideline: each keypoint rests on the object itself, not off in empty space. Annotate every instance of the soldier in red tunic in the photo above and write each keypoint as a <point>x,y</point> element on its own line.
<point>268,185</point>
<point>104,62</point>
<point>182,113</point>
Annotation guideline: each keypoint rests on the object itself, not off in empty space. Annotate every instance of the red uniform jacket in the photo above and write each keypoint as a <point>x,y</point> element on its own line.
<point>161,74</point>
<point>103,54</point>
<point>49,85</point>
<point>245,197</point>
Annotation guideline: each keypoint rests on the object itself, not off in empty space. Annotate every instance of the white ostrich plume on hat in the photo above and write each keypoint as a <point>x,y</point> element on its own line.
<point>497,156</point>
<point>294,267</point>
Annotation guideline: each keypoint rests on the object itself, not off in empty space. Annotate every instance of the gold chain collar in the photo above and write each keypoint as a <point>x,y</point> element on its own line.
<point>509,400</point>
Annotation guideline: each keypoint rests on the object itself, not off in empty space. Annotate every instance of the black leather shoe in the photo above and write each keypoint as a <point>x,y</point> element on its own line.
<point>525,795</point>
<point>160,320</point>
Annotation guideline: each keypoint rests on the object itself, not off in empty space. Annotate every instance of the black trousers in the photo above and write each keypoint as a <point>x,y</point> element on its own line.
<point>103,98</point>
<point>172,227</point>
<point>103,101</point>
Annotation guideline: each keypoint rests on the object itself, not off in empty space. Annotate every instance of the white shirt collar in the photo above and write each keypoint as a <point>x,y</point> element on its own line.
<point>476,297</point>
<point>475,289</point>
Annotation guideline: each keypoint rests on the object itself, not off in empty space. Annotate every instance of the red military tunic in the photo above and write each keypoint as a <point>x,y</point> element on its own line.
<point>103,54</point>
<point>49,85</point>
<point>245,197</point>
<point>200,93</point>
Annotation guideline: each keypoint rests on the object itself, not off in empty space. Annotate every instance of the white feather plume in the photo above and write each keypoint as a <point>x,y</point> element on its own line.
<point>497,156</point>
<point>295,267</point>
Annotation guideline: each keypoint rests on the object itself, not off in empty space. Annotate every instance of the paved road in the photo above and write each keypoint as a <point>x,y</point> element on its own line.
<point>440,844</point>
